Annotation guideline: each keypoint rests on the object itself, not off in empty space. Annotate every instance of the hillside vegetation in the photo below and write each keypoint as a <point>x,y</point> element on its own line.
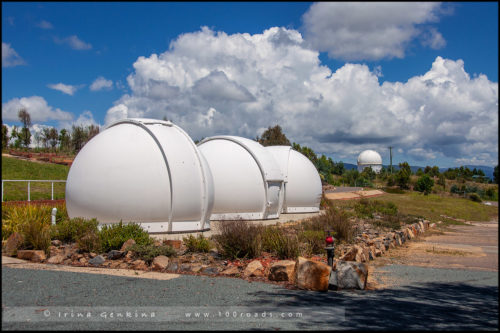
<point>13,168</point>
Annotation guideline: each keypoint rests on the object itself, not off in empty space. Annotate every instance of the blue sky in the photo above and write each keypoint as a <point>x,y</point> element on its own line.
<point>340,78</point>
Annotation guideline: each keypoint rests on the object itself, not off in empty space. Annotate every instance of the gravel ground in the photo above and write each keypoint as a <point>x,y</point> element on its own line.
<point>419,299</point>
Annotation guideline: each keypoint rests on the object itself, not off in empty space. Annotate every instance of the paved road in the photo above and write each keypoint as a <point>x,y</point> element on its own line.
<point>467,300</point>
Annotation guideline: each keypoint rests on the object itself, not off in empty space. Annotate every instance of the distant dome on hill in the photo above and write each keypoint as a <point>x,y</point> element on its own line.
<point>369,158</point>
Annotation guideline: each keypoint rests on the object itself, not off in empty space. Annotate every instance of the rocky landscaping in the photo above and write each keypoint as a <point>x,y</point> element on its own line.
<point>349,269</point>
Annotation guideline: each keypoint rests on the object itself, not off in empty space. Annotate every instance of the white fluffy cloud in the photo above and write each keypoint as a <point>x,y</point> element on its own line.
<point>45,25</point>
<point>372,30</point>
<point>65,88</point>
<point>101,83</point>
<point>241,84</point>
<point>36,106</point>
<point>10,58</point>
<point>74,42</point>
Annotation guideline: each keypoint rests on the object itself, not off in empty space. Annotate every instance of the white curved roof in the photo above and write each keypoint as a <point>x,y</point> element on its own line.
<point>142,170</point>
<point>248,181</point>
<point>369,157</point>
<point>302,182</point>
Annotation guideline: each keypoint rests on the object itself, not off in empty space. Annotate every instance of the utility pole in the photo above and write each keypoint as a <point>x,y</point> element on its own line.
<point>390,154</point>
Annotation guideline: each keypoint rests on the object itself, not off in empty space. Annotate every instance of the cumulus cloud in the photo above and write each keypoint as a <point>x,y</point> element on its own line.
<point>65,88</point>
<point>45,25</point>
<point>74,42</point>
<point>241,84</point>
<point>101,83</point>
<point>36,106</point>
<point>372,30</point>
<point>10,58</point>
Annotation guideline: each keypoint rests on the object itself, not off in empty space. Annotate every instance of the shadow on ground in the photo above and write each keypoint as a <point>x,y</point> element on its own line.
<point>427,306</point>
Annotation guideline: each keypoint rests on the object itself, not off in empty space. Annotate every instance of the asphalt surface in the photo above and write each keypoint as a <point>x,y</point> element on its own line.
<point>419,299</point>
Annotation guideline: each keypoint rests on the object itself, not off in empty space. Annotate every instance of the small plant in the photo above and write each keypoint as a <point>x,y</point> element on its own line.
<point>474,197</point>
<point>113,236</point>
<point>283,243</point>
<point>197,244</point>
<point>332,219</point>
<point>148,252</point>
<point>74,229</point>
<point>314,241</point>
<point>239,239</point>
<point>34,224</point>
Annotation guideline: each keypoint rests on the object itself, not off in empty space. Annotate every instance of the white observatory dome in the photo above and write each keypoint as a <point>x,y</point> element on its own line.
<point>369,158</point>
<point>145,171</point>
<point>302,182</point>
<point>248,183</point>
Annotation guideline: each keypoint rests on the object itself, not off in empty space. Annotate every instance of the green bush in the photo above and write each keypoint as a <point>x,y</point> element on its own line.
<point>394,190</point>
<point>113,236</point>
<point>239,239</point>
<point>197,244</point>
<point>424,184</point>
<point>71,230</point>
<point>148,252</point>
<point>475,197</point>
<point>34,224</point>
<point>280,242</point>
<point>314,241</point>
<point>332,219</point>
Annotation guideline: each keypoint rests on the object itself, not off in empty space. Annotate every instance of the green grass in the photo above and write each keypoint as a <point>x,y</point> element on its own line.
<point>433,206</point>
<point>13,168</point>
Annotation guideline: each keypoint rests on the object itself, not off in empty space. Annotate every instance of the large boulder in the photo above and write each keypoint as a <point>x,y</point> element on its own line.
<point>160,263</point>
<point>14,241</point>
<point>254,268</point>
<point>348,275</point>
<point>57,259</point>
<point>34,255</point>
<point>283,270</point>
<point>311,275</point>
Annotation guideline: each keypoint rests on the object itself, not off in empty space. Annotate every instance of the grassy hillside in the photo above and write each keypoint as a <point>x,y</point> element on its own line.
<point>13,168</point>
<point>433,206</point>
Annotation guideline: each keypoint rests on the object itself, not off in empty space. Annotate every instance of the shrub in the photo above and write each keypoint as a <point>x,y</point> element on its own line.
<point>239,239</point>
<point>389,221</point>
<point>475,197</point>
<point>394,190</point>
<point>113,236</point>
<point>424,184</point>
<point>280,242</point>
<point>74,229</point>
<point>366,208</point>
<point>33,222</point>
<point>333,219</point>
<point>197,244</point>
<point>148,252</point>
<point>314,241</point>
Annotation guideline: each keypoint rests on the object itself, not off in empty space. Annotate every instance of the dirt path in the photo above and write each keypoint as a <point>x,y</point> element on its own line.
<point>467,247</point>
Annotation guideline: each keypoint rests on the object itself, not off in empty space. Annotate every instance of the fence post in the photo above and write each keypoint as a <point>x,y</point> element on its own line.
<point>52,190</point>
<point>28,191</point>
<point>2,190</point>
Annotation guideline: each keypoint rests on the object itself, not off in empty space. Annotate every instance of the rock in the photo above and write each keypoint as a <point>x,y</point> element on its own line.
<point>398,241</point>
<point>57,259</point>
<point>311,275</point>
<point>283,270</point>
<point>129,256</point>
<point>127,244</point>
<point>160,263</point>
<point>378,253</point>
<point>56,242</point>
<point>252,268</point>
<point>139,264</point>
<point>211,270</point>
<point>231,271</point>
<point>195,268</point>
<point>432,225</point>
<point>92,255</point>
<point>173,267</point>
<point>123,265</point>
<point>176,244</point>
<point>348,275</point>
<point>410,233</point>
<point>185,267</point>
<point>114,254</point>
<point>98,260</point>
<point>70,249</point>
<point>34,255</point>
<point>83,260</point>
<point>14,241</point>
<point>115,264</point>
<point>350,255</point>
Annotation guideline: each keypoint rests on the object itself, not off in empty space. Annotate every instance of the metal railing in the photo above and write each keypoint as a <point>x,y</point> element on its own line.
<point>29,185</point>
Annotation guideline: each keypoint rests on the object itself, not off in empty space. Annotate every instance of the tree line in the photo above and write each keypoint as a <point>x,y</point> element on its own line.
<point>49,138</point>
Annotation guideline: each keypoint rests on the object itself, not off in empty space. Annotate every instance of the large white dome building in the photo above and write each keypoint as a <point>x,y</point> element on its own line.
<point>302,182</point>
<point>369,159</point>
<point>248,181</point>
<point>145,171</point>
